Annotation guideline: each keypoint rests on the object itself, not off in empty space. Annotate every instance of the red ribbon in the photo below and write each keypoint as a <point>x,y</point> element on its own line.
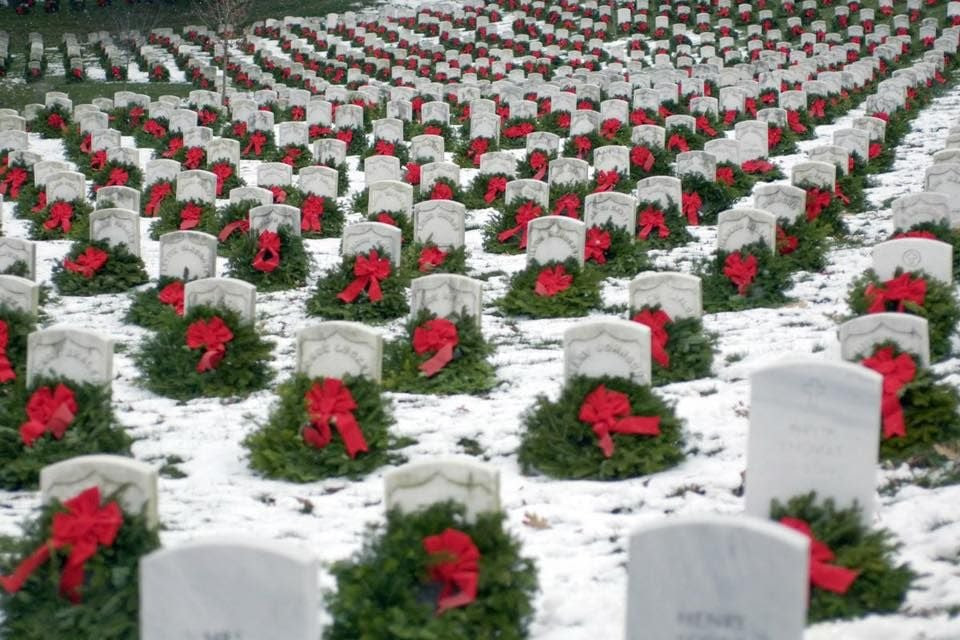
<point>875,150</point>
<point>582,145</point>
<point>173,147</point>
<point>172,295</point>
<point>455,563</point>
<point>56,121</point>
<point>609,412</point>
<point>567,205</point>
<point>212,335</point>
<point>657,321</point>
<point>774,134</point>
<point>651,219</point>
<point>330,402</point>
<point>817,201</point>
<point>739,271</point>
<point>256,142</point>
<point>98,159</point>
<point>368,271</point>
<point>190,216</point>
<point>518,130</point>
<point>817,108</point>
<point>117,177</point>
<point>595,248</point>
<point>609,128</point>
<point>345,135</point>
<point>678,142</point>
<point>13,181</point>
<point>902,289</point>
<point>525,213</point>
<point>279,194</point>
<point>312,214</point>
<point>757,166</point>
<point>539,162</point>
<point>158,192</point>
<point>823,575</point>
<point>439,337</point>
<point>154,128</point>
<point>840,194</point>
<point>441,191</point>
<point>61,215</point>
<point>430,258</point>
<point>291,155</point>
<point>49,410</point>
<point>495,186</point>
<point>478,147</point>
<point>384,148</point>
<point>6,368</point>
<point>552,280</point>
<point>85,144</point>
<point>194,158</point>
<point>786,244</point>
<point>897,372</point>
<point>703,123</point>
<point>268,252</point>
<point>606,180</point>
<point>793,121</point>
<point>643,158</point>
<point>228,230</point>
<point>690,203</point>
<point>639,117</point>
<point>87,263</point>
<point>725,175</point>
<point>223,171</point>
<point>83,528</point>
<point>413,173</point>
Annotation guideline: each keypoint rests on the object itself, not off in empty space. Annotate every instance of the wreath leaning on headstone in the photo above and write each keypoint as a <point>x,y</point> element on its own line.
<point>158,305</point>
<point>96,267</point>
<point>745,279</point>
<point>365,288</point>
<point>553,290</point>
<point>681,349</point>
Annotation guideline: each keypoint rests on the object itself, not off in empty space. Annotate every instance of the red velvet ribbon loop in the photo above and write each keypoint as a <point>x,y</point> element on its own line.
<point>223,171</point>
<point>740,271</point>
<point>330,402</point>
<point>268,252</point>
<point>158,192</point>
<point>823,575</point>
<point>495,187</point>
<point>61,216</point>
<point>608,412</point>
<point>897,372</point>
<point>88,263</point>
<point>552,280</point>
<point>172,295</point>
<point>190,216</point>
<point>49,410</point>
<point>607,180</point>
<point>255,143</point>
<point>525,213</point>
<point>368,271</point>
<point>430,258</point>
<point>439,337</point>
<point>900,290</point>
<point>456,564</point>
<point>539,162</point>
<point>230,228</point>
<point>657,321</point>
<point>642,157</point>
<point>690,204</point>
<point>817,201</point>
<point>567,205</point>
<point>651,219</point>
<point>211,335</point>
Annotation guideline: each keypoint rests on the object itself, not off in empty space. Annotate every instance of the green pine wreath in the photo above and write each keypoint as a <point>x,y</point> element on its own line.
<point>424,196</point>
<point>384,591</point>
<point>678,234</point>
<point>147,311</point>
<point>168,215</point>
<point>277,449</point>
<point>94,429</point>
<point>169,367</point>
<point>715,196</point>
<point>624,258</point>
<point>690,349</point>
<point>110,605</point>
<point>134,175</point>
<point>831,215</point>
<point>324,301</point>
<point>812,240</point>
<point>79,222</point>
<point>292,272</point>
<point>473,195</point>
<point>939,308</point>
<point>578,300</point>
<point>558,444</point>
<point>19,325</point>
<point>881,586</point>
<point>122,271</point>
<point>229,214</point>
<point>469,372</point>
<point>767,289</point>
<point>455,261</point>
<point>506,219</point>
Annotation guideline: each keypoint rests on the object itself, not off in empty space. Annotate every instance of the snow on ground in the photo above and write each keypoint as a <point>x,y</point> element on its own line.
<point>582,554</point>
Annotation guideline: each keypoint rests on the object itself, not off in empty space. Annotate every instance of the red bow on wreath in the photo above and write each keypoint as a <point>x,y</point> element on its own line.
<point>368,271</point>
<point>268,252</point>
<point>256,142</point>
<point>607,180</point>
<point>690,204</point>
<point>823,575</point>
<point>678,143</point>
<point>13,181</point>
<point>642,157</point>
<point>774,135</point>
<point>430,258</point>
<point>525,213</point>
<point>49,410</point>
<point>291,156</point>
<point>793,121</point>
<point>786,244</point>
<point>875,150</point>
<point>441,191</point>
<point>413,174</point>
<point>117,177</point>
<point>212,335</point>
<point>897,372</point>
<point>83,528</point>
<point>190,216</point>
<point>158,192</point>
<point>312,214</point>
<point>61,215</point>
<point>330,402</point>
<point>223,171</point>
<point>817,108</point>
<point>597,243</point>
<point>725,176</point>
<point>582,145</point>
<point>88,263</point>
<point>173,147</point>
<point>740,271</point>
<point>439,337</point>
<point>609,128</point>
<point>478,147</point>
<point>495,186</point>
<point>757,166</point>
<point>6,368</point>
<point>567,205</point>
<point>703,124</point>
<point>539,162</point>
<point>552,280</point>
<point>651,219</point>
<point>817,201</point>
<point>384,148</point>
<point>172,295</point>
<point>902,289</point>
<point>455,561</point>
<point>194,157</point>
<point>657,321</point>
<point>609,412</point>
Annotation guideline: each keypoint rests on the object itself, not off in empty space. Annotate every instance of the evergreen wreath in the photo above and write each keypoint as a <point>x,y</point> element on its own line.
<point>648,160</point>
<point>689,349</point>
<point>849,191</point>
<point>278,450</point>
<point>581,296</point>
<point>623,183</point>
<point>171,218</point>
<point>765,290</point>
<point>234,223</point>
<point>825,207</point>
<point>802,245</point>
<point>356,139</point>
<point>431,127</point>
<point>291,273</point>
<point>121,271</point>
<point>27,196</point>
<point>880,587</point>
<point>286,194</point>
<point>441,189</point>
<point>649,214</point>
<point>372,603</point>
<point>381,147</point>
<point>110,605</point>
<point>228,176</point>
<point>467,153</point>
<point>733,177</point>
<point>568,199</point>
<point>323,212</point>
<point>535,165</point>
<point>468,372</point>
<point>420,259</point>
<point>939,307</point>
<point>480,195</point>
<point>514,132</point>
<point>621,255</point>
<point>153,133</point>
<point>297,156</point>
<point>16,325</point>
<point>61,219</point>
<point>154,195</point>
<point>581,146</point>
<point>148,311</point>
<point>93,429</point>
<point>169,367</point>
<point>113,173</point>
<point>324,301</point>
<point>714,196</point>
<point>51,122</point>
<point>556,442</point>
<point>929,415</point>
<point>557,122</point>
<point>679,139</point>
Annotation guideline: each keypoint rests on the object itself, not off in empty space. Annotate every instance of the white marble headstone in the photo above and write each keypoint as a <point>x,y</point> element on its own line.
<point>419,485</point>
<point>336,349</point>
<point>607,347</point>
